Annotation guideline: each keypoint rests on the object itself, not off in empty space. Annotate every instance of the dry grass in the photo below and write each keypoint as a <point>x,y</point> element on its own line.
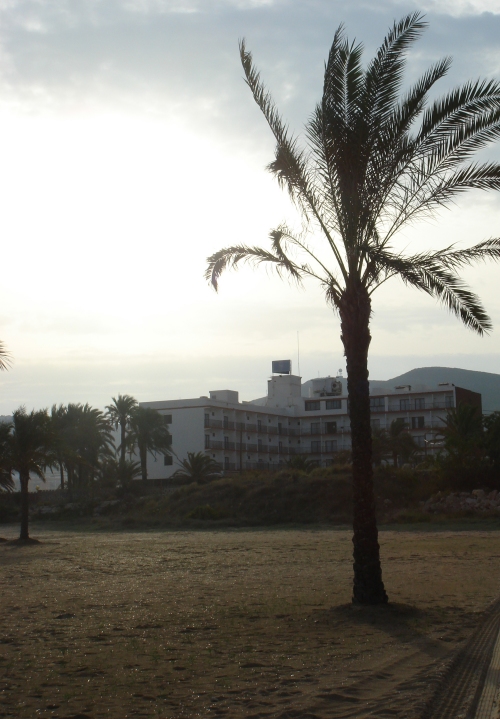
<point>232,623</point>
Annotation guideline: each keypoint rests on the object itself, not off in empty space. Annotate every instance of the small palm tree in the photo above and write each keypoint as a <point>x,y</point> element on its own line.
<point>114,473</point>
<point>28,449</point>
<point>198,467</point>
<point>367,172</point>
<point>149,433</point>
<point>401,443</point>
<point>120,412</point>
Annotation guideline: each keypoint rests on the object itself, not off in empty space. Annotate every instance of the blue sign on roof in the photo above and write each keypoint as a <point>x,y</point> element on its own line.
<point>282,366</point>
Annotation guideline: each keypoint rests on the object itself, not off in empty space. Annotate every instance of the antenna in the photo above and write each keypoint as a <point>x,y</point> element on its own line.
<point>298,353</point>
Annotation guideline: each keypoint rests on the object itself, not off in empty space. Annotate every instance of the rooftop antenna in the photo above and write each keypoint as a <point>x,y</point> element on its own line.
<point>298,353</point>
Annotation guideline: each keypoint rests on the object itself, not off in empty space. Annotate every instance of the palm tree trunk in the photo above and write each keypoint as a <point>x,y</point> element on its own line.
<point>355,311</point>
<point>123,438</point>
<point>70,473</point>
<point>24,480</point>
<point>143,454</point>
<point>61,469</point>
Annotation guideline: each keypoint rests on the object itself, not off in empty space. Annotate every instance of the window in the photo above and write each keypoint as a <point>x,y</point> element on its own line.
<point>226,421</point>
<point>404,404</point>
<point>420,403</point>
<point>417,422</point>
<point>207,419</point>
<point>311,406</point>
<point>419,441</point>
<point>315,427</point>
<point>377,403</point>
<point>331,427</point>
<point>279,427</point>
<point>315,446</point>
<point>226,462</point>
<point>259,445</point>
<point>167,418</point>
<point>331,445</point>
<point>333,404</point>
<point>207,441</point>
<point>280,446</point>
<point>167,460</point>
<point>226,442</point>
<point>448,400</point>
<point>259,425</point>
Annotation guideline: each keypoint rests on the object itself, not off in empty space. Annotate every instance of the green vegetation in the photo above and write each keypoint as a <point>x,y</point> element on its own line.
<point>149,433</point>
<point>366,173</point>
<point>27,448</point>
<point>77,439</point>
<point>198,467</point>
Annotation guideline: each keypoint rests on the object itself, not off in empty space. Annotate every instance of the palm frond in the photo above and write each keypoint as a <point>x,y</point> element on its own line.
<point>426,272</point>
<point>230,257</point>
<point>5,358</point>
<point>488,249</point>
<point>290,163</point>
<point>461,105</point>
<point>384,73</point>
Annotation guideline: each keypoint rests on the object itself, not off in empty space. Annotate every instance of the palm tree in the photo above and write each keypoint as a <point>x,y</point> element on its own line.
<point>28,449</point>
<point>149,433</point>
<point>94,445</point>
<point>113,472</point>
<point>83,439</point>
<point>401,443</point>
<point>198,467</point>
<point>366,173</point>
<point>119,412</point>
<point>59,419</point>
<point>302,463</point>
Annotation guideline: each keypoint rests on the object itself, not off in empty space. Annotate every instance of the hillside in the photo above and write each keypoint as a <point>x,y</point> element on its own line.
<point>487,383</point>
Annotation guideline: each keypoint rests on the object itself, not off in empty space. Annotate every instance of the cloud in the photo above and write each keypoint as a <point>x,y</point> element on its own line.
<point>459,8</point>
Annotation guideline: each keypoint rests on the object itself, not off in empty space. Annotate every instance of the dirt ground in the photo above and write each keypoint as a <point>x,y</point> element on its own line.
<point>232,623</point>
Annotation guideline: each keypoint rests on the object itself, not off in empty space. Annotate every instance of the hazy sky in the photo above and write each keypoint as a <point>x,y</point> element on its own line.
<point>131,149</point>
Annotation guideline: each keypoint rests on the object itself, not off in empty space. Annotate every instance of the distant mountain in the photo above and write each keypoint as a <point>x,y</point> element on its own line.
<point>487,383</point>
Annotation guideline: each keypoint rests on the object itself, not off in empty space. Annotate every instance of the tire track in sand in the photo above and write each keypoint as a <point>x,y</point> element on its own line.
<point>459,692</point>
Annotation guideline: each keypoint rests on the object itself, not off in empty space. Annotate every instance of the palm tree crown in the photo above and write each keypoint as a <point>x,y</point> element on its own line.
<point>367,171</point>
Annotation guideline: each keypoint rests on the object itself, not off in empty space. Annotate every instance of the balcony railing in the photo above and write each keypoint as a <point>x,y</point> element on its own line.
<point>244,427</point>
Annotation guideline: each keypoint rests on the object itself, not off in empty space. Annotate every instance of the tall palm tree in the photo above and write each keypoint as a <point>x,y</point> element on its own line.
<point>119,412</point>
<point>28,449</point>
<point>149,433</point>
<point>59,420</point>
<point>367,172</point>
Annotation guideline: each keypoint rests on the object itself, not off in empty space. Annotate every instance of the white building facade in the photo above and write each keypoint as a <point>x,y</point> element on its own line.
<point>266,433</point>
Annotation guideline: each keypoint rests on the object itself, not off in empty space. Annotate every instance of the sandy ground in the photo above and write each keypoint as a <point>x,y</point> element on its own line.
<point>232,623</point>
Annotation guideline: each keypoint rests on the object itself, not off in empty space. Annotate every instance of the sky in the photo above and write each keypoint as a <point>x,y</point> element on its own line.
<point>131,149</point>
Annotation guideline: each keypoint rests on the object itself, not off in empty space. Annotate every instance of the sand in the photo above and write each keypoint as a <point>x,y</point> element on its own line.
<point>232,623</point>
